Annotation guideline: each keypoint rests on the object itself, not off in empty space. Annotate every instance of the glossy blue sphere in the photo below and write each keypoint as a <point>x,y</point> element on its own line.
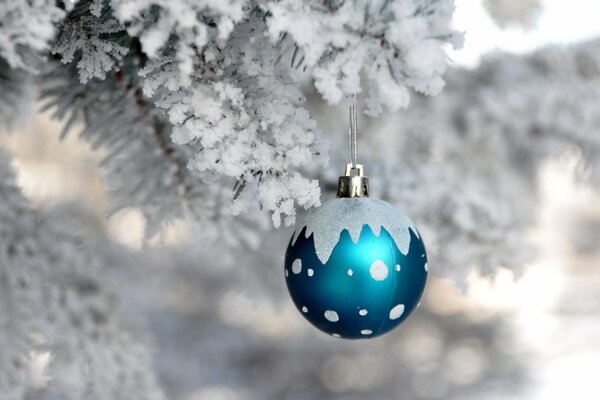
<point>366,286</point>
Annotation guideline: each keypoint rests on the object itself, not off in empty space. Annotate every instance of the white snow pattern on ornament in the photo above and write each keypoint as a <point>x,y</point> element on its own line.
<point>366,332</point>
<point>363,312</point>
<point>327,222</point>
<point>378,270</point>
<point>310,272</point>
<point>331,316</point>
<point>397,311</point>
<point>297,266</point>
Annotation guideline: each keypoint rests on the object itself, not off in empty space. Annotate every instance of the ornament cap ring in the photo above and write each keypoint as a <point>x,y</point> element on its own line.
<point>351,185</point>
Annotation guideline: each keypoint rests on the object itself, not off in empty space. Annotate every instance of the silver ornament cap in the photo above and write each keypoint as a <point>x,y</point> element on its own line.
<point>350,185</point>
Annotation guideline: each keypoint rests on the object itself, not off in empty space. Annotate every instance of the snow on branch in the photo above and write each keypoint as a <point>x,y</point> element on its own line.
<point>179,27</point>
<point>243,117</point>
<point>396,44</point>
<point>98,40</point>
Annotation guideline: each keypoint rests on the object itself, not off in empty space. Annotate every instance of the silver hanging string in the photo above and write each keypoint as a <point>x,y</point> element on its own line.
<point>352,133</point>
<point>353,183</point>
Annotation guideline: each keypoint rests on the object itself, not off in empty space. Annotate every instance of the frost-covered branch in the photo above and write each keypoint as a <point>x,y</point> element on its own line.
<point>181,27</point>
<point>145,168</point>
<point>396,44</point>
<point>220,73</point>
<point>244,120</point>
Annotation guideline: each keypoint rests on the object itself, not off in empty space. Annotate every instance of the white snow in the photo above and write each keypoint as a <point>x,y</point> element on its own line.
<point>304,309</point>
<point>331,316</point>
<point>426,267</point>
<point>350,272</point>
<point>398,268</point>
<point>310,272</point>
<point>378,270</point>
<point>397,311</point>
<point>363,312</point>
<point>366,332</point>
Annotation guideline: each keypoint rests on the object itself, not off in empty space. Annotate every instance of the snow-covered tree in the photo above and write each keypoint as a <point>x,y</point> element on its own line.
<point>60,329</point>
<point>199,111</point>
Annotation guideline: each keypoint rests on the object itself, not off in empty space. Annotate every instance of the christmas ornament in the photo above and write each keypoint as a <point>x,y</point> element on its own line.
<point>357,266</point>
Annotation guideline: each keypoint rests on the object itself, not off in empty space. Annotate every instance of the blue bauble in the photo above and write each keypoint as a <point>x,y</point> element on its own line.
<point>356,268</point>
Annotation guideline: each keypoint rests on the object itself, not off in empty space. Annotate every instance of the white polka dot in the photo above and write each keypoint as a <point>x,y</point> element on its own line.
<point>304,309</point>
<point>363,312</point>
<point>397,311</point>
<point>378,270</point>
<point>366,331</point>
<point>286,273</point>
<point>331,316</point>
<point>297,266</point>
<point>398,267</point>
<point>337,335</point>
<point>310,272</point>
<point>350,272</point>
<point>426,267</point>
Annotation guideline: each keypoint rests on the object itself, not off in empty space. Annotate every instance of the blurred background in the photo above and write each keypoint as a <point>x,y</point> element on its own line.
<point>224,328</point>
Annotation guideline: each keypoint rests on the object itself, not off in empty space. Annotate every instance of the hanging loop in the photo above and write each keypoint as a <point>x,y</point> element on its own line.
<point>357,167</point>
